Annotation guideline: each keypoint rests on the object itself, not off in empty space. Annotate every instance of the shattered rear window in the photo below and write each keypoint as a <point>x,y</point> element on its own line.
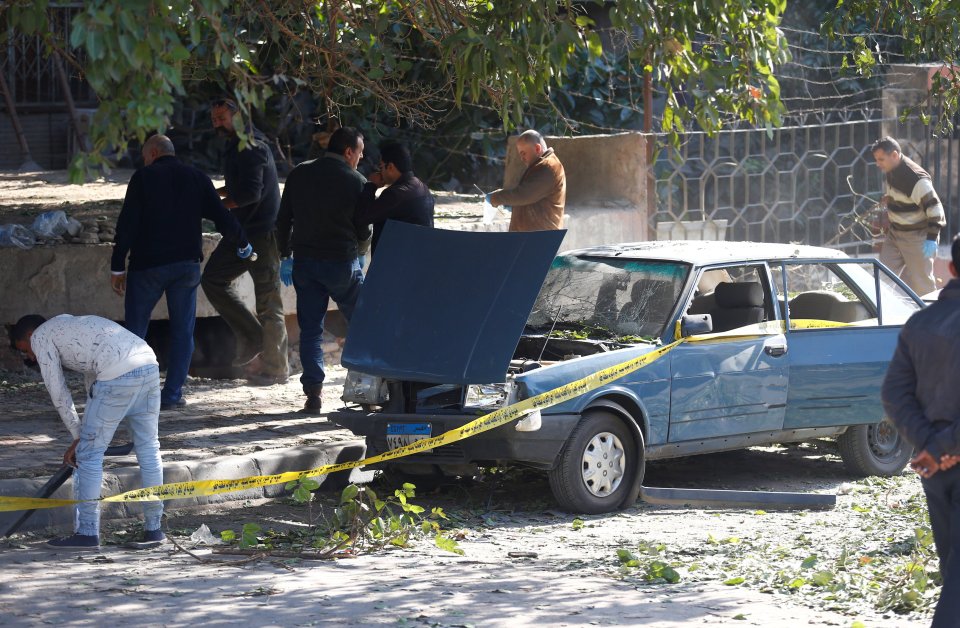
<point>606,298</point>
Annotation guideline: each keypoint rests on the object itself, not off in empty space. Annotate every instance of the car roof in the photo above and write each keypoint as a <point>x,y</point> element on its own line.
<point>702,252</point>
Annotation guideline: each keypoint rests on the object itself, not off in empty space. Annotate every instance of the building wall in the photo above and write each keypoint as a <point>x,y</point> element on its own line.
<point>47,136</point>
<point>606,186</point>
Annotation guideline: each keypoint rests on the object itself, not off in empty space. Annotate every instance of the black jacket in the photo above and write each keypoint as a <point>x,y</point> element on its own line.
<point>316,211</point>
<point>160,222</point>
<point>920,392</point>
<point>408,199</point>
<point>251,179</point>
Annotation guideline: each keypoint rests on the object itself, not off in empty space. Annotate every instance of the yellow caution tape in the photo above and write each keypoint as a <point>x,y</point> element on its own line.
<point>502,416</point>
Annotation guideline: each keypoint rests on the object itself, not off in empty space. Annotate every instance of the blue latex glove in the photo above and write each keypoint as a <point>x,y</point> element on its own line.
<point>486,197</point>
<point>286,271</point>
<point>245,252</point>
<point>929,248</point>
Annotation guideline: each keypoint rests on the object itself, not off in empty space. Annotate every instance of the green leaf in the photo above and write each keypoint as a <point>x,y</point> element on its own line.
<point>227,536</point>
<point>734,581</point>
<point>349,493</point>
<point>447,544</point>
<point>577,524</point>
<point>822,578</point>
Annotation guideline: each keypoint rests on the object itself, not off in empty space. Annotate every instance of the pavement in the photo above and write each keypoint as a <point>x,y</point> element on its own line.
<point>228,430</point>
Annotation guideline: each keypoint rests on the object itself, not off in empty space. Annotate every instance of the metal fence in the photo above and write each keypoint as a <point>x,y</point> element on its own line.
<point>29,70</point>
<point>814,183</point>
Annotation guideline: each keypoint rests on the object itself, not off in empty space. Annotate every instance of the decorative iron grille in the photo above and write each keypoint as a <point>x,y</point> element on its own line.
<point>30,73</point>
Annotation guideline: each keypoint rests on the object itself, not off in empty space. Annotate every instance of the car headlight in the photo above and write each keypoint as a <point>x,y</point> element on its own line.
<point>365,389</point>
<point>487,396</point>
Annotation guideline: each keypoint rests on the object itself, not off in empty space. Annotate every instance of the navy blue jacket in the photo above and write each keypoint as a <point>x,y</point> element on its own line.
<point>316,213</point>
<point>160,222</point>
<point>250,176</point>
<point>921,394</point>
<point>408,199</point>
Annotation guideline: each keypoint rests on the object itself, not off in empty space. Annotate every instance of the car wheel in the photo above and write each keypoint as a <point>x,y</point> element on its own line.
<point>598,467</point>
<point>873,449</point>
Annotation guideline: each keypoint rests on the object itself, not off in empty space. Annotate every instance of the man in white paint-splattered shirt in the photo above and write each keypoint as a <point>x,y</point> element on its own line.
<point>122,381</point>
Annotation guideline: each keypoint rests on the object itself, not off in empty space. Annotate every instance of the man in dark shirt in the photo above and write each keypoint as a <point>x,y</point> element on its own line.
<point>316,225</point>
<point>252,193</point>
<point>407,198</point>
<point>160,227</point>
<point>921,397</point>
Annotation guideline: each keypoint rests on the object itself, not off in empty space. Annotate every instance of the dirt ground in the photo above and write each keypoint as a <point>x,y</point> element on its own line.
<point>25,195</point>
<point>865,563</point>
<point>523,563</point>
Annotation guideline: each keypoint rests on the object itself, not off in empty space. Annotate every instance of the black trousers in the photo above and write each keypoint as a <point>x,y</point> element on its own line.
<point>943,500</point>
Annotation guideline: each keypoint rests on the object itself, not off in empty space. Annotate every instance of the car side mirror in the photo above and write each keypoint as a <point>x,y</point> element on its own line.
<point>693,324</point>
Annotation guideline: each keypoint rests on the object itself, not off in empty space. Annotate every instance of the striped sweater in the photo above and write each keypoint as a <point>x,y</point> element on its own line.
<point>913,204</point>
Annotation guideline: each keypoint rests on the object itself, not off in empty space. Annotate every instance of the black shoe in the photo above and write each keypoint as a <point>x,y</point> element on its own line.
<point>312,406</point>
<point>261,379</point>
<point>149,540</point>
<point>173,405</point>
<point>81,542</point>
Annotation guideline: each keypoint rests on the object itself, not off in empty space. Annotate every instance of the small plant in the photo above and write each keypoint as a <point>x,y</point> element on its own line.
<point>361,522</point>
<point>654,569</point>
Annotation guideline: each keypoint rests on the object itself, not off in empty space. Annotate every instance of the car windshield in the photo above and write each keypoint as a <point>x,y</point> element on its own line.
<point>607,298</point>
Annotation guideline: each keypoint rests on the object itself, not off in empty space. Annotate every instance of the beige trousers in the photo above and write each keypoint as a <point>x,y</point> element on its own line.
<point>902,253</point>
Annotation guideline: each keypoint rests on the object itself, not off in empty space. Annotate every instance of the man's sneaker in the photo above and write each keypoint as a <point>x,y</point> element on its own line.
<point>173,405</point>
<point>76,542</point>
<point>312,406</point>
<point>149,540</point>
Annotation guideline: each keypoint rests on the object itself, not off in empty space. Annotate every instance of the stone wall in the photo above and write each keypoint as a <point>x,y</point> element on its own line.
<point>75,279</point>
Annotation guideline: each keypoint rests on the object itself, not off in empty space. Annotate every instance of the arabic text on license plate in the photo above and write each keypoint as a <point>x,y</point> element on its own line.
<point>399,434</point>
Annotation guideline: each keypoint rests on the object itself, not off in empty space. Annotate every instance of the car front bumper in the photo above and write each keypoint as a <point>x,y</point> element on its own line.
<point>502,444</point>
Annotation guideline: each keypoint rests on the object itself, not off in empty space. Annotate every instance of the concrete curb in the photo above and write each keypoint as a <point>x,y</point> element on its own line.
<point>127,478</point>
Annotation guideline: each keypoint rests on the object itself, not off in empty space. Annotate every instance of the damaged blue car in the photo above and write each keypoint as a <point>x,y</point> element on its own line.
<point>786,343</point>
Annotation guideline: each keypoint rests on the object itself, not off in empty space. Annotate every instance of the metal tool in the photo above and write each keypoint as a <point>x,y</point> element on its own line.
<point>716,498</point>
<point>56,481</point>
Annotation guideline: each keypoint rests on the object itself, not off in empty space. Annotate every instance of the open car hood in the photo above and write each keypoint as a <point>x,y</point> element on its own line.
<point>446,307</point>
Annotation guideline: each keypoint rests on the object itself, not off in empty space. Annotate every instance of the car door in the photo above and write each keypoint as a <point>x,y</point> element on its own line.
<point>844,317</point>
<point>730,385</point>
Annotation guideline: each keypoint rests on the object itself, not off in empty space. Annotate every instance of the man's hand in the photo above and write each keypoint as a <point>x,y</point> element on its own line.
<point>947,461</point>
<point>924,464</point>
<point>70,456</point>
<point>119,283</point>
<point>929,248</point>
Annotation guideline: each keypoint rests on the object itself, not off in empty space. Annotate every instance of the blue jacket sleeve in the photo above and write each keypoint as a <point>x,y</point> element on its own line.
<point>899,395</point>
<point>213,209</point>
<point>128,223</point>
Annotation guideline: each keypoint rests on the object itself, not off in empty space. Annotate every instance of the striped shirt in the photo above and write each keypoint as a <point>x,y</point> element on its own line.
<point>99,348</point>
<point>914,204</point>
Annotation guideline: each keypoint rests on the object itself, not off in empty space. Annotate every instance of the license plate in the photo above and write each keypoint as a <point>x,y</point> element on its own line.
<point>400,434</point>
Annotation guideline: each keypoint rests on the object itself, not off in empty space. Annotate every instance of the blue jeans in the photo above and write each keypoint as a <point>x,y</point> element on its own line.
<point>144,288</point>
<point>316,282</point>
<point>134,396</point>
